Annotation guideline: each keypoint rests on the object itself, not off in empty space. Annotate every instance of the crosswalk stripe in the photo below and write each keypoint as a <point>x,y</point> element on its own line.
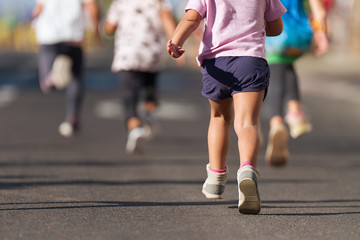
<point>168,110</point>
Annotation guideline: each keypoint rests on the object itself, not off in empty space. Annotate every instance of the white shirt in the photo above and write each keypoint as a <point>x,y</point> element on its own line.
<point>60,21</point>
<point>140,42</point>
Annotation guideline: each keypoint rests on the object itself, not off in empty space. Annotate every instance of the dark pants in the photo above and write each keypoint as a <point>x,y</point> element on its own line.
<point>133,84</point>
<point>283,87</point>
<point>75,90</point>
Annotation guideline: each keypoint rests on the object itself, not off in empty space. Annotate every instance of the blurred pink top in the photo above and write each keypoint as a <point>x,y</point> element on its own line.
<point>235,27</point>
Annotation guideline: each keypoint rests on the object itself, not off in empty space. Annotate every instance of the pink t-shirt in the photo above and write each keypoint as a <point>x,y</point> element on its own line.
<point>235,27</point>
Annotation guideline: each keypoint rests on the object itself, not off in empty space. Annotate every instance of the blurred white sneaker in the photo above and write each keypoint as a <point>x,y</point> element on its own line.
<point>298,124</point>
<point>66,129</point>
<point>277,149</point>
<point>134,137</point>
<point>61,71</point>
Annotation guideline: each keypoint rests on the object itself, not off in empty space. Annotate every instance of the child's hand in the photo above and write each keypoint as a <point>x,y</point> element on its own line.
<point>321,42</point>
<point>174,50</point>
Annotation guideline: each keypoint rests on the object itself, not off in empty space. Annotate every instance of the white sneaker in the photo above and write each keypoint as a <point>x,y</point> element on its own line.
<point>214,185</point>
<point>66,129</point>
<point>61,74</point>
<point>249,198</point>
<point>277,149</point>
<point>134,137</point>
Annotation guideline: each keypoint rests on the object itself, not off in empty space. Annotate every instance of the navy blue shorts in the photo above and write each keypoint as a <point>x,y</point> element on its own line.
<point>225,76</point>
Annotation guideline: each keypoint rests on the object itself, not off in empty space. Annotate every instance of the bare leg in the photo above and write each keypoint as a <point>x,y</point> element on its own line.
<point>150,106</point>
<point>276,121</point>
<point>247,107</point>
<point>218,132</point>
<point>294,106</point>
<point>133,122</point>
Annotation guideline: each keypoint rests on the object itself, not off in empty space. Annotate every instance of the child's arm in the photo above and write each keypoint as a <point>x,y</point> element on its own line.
<point>111,22</point>
<point>109,28</point>
<point>168,22</point>
<point>93,10</point>
<point>37,10</point>
<point>318,12</point>
<point>186,26</point>
<point>274,28</point>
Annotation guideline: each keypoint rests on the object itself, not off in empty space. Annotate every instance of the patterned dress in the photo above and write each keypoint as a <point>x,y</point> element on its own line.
<point>139,38</point>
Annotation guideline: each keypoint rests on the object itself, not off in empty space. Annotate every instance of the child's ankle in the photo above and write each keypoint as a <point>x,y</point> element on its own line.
<point>218,170</point>
<point>247,163</point>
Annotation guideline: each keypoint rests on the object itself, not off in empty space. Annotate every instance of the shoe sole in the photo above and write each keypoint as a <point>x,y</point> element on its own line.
<point>251,202</point>
<point>277,151</point>
<point>211,196</point>
<point>61,72</point>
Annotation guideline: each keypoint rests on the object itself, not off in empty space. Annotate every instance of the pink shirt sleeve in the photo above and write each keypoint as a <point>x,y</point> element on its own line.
<point>197,5</point>
<point>274,10</point>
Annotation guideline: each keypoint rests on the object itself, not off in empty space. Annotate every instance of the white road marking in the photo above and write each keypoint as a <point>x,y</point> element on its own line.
<point>113,109</point>
<point>338,90</point>
<point>8,94</point>
<point>109,109</point>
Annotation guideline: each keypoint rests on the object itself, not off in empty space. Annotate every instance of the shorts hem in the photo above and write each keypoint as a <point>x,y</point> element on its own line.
<point>215,99</point>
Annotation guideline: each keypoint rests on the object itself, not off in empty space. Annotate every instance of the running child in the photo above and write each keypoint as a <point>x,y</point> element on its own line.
<point>139,57</point>
<point>60,34</point>
<point>284,92</point>
<point>235,81</point>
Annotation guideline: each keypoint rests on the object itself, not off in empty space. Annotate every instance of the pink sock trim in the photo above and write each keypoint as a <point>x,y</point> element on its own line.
<point>247,163</point>
<point>218,171</point>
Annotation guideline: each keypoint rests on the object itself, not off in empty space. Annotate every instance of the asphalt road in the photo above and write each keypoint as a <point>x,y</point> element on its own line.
<point>86,187</point>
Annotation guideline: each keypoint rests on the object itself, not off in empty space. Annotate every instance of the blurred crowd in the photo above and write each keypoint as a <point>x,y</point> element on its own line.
<point>17,34</point>
<point>16,26</point>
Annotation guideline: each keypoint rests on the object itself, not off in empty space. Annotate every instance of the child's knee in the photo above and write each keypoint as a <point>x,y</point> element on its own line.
<point>240,126</point>
<point>220,117</point>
